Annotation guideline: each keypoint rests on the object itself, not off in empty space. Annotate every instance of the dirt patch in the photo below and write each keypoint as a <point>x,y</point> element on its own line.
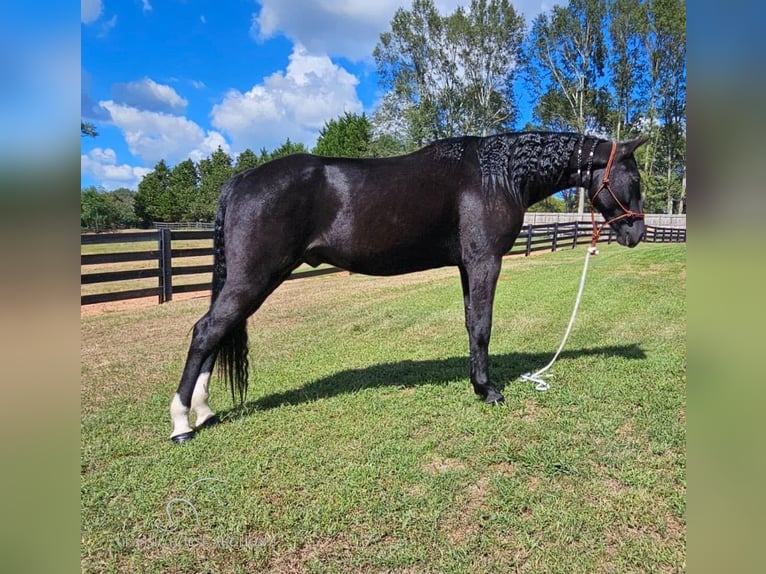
<point>133,304</point>
<point>464,523</point>
<point>318,552</point>
<point>502,469</point>
<point>440,465</point>
<point>531,410</point>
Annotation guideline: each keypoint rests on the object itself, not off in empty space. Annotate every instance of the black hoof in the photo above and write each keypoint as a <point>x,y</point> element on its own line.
<point>494,398</point>
<point>183,437</point>
<point>212,421</point>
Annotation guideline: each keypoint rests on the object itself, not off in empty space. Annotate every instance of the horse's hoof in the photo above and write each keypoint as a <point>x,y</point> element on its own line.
<point>183,437</point>
<point>494,398</point>
<point>209,422</point>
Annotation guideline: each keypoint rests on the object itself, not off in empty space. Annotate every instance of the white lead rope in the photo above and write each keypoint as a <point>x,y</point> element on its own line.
<point>540,383</point>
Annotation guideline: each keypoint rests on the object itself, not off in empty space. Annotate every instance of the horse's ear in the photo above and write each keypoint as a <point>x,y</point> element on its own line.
<point>630,146</point>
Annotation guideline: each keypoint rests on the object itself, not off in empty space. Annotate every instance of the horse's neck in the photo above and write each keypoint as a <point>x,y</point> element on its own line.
<point>558,165</point>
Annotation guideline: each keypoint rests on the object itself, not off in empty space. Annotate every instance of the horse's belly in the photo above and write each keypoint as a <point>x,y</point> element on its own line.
<point>394,260</point>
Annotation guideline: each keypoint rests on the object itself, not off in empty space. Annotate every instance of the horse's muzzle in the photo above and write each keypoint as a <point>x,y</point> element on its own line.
<point>631,235</point>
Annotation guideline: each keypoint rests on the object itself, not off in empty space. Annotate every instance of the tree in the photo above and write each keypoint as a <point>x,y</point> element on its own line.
<point>628,65</point>
<point>287,148</point>
<point>101,210</point>
<point>565,62</point>
<point>348,136</point>
<point>183,192</point>
<point>670,26</point>
<point>386,145</point>
<point>551,204</point>
<point>448,75</point>
<point>97,213</point>
<point>663,159</point>
<point>153,197</point>
<point>124,200</point>
<point>214,171</point>
<point>246,160</point>
<point>490,37</point>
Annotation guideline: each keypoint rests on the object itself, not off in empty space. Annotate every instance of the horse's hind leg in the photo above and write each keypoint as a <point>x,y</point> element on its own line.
<point>205,416</point>
<point>179,413</point>
<point>239,298</point>
<point>228,310</point>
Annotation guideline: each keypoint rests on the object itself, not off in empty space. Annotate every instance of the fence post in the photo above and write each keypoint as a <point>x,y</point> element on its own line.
<point>166,266</point>
<point>528,248</point>
<point>576,233</point>
<point>555,236</point>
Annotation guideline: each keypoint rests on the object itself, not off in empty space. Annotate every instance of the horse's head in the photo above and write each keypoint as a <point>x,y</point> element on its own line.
<point>615,190</point>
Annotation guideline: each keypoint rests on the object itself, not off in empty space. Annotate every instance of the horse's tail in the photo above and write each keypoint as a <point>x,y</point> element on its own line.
<point>233,364</point>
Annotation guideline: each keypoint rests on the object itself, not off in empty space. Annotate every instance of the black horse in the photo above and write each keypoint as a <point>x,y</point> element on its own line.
<point>458,201</point>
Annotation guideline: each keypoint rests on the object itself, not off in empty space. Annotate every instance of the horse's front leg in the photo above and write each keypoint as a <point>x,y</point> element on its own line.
<point>479,280</point>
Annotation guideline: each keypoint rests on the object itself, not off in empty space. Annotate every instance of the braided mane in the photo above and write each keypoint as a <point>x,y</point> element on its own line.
<point>520,163</point>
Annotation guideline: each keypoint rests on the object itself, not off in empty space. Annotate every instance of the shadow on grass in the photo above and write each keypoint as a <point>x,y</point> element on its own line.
<point>403,374</point>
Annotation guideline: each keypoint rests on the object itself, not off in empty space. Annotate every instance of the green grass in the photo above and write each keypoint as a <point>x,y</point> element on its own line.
<point>361,447</point>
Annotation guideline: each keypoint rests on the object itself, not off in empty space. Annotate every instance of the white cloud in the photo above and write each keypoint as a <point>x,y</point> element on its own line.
<point>147,7</point>
<point>90,10</point>
<point>295,103</point>
<point>101,165</point>
<point>348,28</point>
<point>154,135</point>
<point>146,94</point>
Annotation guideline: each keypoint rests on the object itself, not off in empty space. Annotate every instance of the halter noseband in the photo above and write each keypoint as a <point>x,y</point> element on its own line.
<point>605,185</point>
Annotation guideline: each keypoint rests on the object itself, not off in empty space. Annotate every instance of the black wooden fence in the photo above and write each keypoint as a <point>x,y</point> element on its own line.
<point>533,238</point>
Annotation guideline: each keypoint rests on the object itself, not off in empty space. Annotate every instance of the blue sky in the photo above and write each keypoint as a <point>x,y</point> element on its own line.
<point>175,79</point>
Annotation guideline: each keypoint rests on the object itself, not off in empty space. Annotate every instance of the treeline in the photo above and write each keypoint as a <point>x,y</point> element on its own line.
<point>105,210</point>
<point>612,68</point>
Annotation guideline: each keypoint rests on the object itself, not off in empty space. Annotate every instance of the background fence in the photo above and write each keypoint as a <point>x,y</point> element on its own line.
<point>158,247</point>
<point>653,219</point>
<point>530,218</point>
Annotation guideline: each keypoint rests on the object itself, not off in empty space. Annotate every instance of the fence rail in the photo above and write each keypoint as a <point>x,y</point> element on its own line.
<point>533,238</point>
<point>184,225</point>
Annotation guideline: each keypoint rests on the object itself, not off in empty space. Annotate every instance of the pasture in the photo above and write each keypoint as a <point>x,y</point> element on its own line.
<point>362,448</point>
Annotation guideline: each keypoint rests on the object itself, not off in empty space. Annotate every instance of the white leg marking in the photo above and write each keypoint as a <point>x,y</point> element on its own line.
<point>180,416</point>
<point>199,399</point>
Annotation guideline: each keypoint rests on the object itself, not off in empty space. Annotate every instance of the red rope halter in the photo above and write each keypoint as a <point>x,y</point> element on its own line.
<point>605,185</point>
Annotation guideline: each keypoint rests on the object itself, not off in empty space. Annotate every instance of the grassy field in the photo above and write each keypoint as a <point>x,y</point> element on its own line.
<point>361,447</point>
